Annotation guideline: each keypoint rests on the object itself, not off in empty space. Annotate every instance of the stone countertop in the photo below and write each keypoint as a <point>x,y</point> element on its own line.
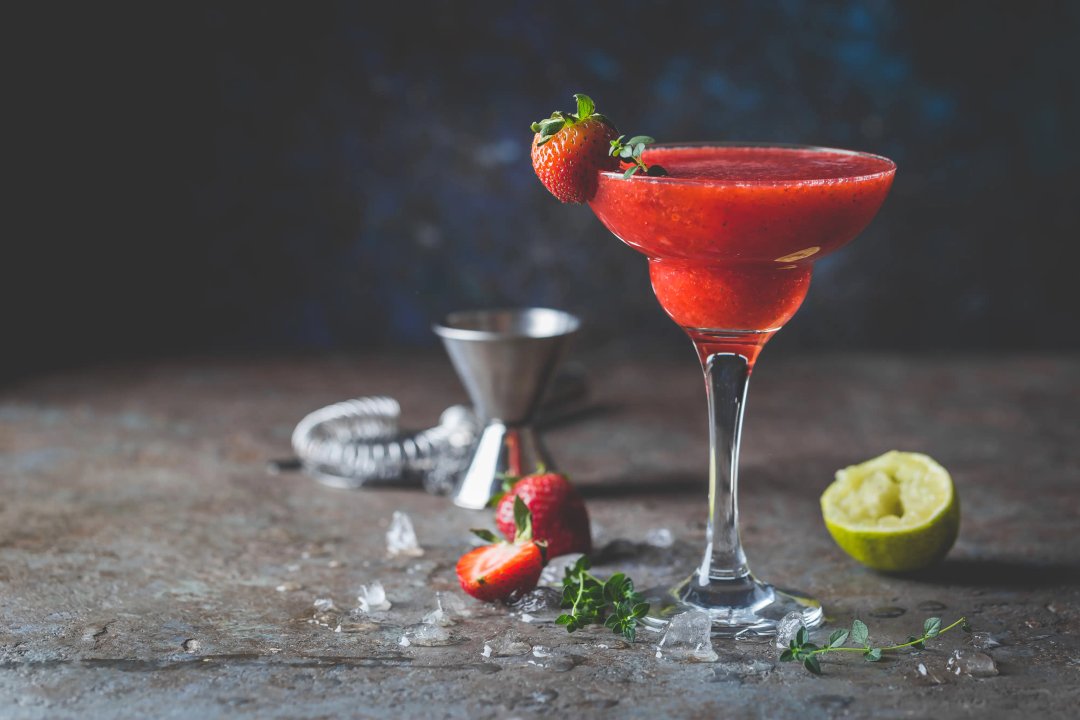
<point>151,567</point>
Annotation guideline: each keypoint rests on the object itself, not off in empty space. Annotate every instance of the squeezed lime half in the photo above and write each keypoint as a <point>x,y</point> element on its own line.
<point>896,513</point>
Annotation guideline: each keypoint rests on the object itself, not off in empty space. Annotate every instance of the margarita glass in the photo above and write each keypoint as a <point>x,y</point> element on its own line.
<point>731,234</point>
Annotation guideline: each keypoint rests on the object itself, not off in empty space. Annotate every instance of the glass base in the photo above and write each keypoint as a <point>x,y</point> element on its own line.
<point>740,607</point>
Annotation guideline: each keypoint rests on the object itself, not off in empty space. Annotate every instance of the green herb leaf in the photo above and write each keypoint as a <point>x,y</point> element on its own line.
<point>787,656</point>
<point>916,643</point>
<point>812,664</point>
<point>485,535</point>
<point>522,521</point>
<point>630,172</point>
<point>551,126</point>
<point>640,140</point>
<point>931,627</point>
<point>838,638</point>
<point>802,636</point>
<point>859,632</point>
<point>872,654</point>
<point>585,106</point>
<point>612,603</point>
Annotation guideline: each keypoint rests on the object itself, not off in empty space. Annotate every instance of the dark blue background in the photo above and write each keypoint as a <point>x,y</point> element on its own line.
<point>330,176</point>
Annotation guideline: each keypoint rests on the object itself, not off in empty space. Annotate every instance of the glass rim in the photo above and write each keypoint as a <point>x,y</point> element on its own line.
<point>891,169</point>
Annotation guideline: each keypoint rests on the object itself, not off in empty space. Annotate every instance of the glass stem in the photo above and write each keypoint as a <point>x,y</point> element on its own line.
<point>727,377</point>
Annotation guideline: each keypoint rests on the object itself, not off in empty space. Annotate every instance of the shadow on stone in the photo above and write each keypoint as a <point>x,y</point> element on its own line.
<point>625,487</point>
<point>997,573</point>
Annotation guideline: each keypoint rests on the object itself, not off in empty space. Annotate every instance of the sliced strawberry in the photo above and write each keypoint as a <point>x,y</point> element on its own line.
<point>559,516</point>
<point>497,571</point>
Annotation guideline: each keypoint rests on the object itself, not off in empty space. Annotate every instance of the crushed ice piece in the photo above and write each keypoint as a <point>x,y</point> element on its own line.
<point>453,605</point>
<point>404,641</point>
<point>539,605</point>
<point>688,637</point>
<point>401,537</point>
<point>373,599</point>
<point>338,628</point>
<point>660,537</point>
<point>289,586</point>
<point>554,572</point>
<point>540,652</point>
<point>426,635</point>
<point>439,616</point>
<point>970,662</point>
<point>487,651</point>
<point>509,644</point>
<point>191,645</point>
<point>323,605</point>
<point>93,632</point>
<point>787,628</point>
<point>334,564</point>
<point>985,641</point>
<point>543,697</point>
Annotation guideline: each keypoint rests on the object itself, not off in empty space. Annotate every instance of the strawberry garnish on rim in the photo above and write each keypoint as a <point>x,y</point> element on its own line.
<point>570,149</point>
<point>501,569</point>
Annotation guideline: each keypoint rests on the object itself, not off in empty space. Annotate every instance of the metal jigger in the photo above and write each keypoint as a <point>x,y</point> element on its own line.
<point>505,359</point>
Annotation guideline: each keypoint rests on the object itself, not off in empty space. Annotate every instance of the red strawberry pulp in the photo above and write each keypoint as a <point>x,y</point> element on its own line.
<point>732,232</point>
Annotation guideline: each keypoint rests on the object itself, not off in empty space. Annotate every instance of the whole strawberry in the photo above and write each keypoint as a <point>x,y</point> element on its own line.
<point>503,569</point>
<point>570,149</point>
<point>559,516</point>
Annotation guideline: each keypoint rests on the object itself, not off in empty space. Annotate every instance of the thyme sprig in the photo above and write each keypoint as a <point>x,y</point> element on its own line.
<point>590,600</point>
<point>800,649</point>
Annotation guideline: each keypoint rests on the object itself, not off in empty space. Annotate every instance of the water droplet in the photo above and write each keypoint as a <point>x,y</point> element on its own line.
<point>970,662</point>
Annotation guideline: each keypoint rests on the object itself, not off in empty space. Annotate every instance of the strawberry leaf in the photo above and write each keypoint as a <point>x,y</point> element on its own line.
<point>522,521</point>
<point>585,106</point>
<point>486,535</point>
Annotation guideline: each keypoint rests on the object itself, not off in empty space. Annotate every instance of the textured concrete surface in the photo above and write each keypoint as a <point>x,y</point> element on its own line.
<point>150,567</point>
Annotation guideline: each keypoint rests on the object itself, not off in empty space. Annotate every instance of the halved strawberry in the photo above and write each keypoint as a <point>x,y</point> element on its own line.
<point>497,571</point>
<point>559,516</point>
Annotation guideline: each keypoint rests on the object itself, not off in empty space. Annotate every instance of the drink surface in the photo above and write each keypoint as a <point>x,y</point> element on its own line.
<point>732,232</point>
<point>745,204</point>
